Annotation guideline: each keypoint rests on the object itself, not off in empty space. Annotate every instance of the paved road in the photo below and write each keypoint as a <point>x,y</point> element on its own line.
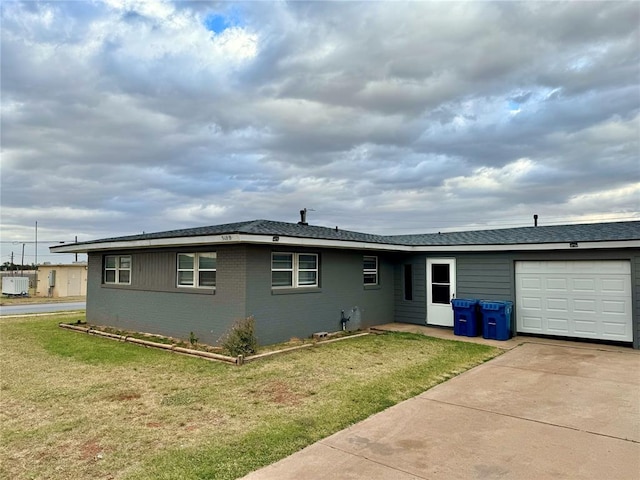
<point>40,308</point>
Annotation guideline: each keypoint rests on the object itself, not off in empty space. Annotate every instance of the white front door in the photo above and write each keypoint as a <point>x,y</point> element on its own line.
<point>441,288</point>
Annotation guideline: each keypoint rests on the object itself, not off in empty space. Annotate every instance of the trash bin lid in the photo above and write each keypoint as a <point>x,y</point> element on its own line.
<point>463,302</point>
<point>495,304</point>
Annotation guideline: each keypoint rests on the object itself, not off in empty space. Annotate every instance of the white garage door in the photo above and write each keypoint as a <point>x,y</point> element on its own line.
<point>585,299</point>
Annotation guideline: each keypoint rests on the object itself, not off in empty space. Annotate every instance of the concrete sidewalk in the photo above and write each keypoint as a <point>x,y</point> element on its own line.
<point>564,410</point>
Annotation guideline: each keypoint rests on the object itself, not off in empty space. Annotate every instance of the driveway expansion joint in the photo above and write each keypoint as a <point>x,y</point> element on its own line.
<point>567,427</point>
<point>369,459</point>
<point>559,374</point>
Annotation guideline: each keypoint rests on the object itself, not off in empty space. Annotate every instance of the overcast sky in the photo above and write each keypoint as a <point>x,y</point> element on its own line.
<point>123,116</point>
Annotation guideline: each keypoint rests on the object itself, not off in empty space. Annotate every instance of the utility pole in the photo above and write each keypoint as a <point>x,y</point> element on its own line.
<point>36,244</point>
<point>76,252</point>
<point>22,261</point>
<point>12,266</point>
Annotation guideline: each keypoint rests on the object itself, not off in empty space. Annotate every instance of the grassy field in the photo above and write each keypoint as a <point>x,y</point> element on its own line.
<point>74,406</point>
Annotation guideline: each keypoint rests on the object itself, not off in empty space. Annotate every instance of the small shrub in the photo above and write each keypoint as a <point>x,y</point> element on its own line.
<point>241,338</point>
<point>193,339</point>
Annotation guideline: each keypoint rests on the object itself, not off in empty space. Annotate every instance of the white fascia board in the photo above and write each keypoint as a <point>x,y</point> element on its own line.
<point>322,243</point>
<point>529,246</point>
<point>149,243</point>
<point>222,240</point>
<point>319,242</point>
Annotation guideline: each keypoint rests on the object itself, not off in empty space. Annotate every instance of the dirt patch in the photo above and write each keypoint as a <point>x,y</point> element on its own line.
<point>279,392</point>
<point>91,450</point>
<point>124,396</point>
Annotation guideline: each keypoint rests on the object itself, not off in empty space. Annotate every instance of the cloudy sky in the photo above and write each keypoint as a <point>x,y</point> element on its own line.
<point>124,116</point>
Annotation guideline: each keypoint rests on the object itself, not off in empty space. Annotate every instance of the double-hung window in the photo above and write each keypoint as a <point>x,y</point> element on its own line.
<point>117,269</point>
<point>294,270</point>
<point>197,270</point>
<point>370,270</point>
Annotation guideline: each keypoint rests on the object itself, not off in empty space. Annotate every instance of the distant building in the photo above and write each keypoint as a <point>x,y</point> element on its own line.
<point>65,280</point>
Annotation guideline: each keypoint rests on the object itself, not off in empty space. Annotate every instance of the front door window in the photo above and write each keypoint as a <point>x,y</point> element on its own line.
<point>440,283</point>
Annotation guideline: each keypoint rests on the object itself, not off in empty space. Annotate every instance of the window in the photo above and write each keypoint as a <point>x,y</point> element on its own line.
<point>440,283</point>
<point>197,270</point>
<point>294,270</point>
<point>370,270</point>
<point>117,269</point>
<point>408,282</point>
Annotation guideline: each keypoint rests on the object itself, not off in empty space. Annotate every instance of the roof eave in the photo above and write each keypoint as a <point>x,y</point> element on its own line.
<point>238,238</point>
<point>506,247</point>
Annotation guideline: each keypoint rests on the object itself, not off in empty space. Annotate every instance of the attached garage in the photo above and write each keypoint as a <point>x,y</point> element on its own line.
<point>579,299</point>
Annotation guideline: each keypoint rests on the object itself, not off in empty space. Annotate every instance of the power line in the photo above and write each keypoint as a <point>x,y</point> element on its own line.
<point>39,241</point>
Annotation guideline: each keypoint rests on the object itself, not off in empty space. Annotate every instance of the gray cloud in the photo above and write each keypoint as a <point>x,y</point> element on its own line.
<point>386,117</point>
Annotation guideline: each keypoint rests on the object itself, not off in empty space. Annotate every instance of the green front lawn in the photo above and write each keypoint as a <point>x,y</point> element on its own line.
<point>74,406</point>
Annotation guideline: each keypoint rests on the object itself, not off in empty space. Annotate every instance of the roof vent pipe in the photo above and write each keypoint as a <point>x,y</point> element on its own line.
<point>535,220</point>
<point>303,217</point>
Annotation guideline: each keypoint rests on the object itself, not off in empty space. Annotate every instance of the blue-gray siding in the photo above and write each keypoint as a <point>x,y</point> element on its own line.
<point>414,310</point>
<point>491,276</point>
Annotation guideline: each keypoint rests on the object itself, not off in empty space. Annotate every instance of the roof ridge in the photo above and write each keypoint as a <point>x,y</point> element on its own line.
<point>251,225</point>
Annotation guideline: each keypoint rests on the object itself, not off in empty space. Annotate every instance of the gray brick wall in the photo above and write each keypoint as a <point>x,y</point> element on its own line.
<point>153,303</point>
<point>301,312</point>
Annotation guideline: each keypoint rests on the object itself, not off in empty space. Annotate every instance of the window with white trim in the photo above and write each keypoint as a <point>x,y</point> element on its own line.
<point>294,270</point>
<point>370,270</point>
<point>197,270</point>
<point>117,269</point>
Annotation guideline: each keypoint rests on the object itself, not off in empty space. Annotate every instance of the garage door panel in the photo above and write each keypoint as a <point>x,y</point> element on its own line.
<point>610,328</point>
<point>614,307</point>
<point>557,284</point>
<point>532,323</point>
<point>585,328</point>
<point>617,267</point>
<point>534,303</point>
<point>584,306</point>
<point>529,283</point>
<point>584,285</point>
<point>557,304</point>
<point>586,299</point>
<point>559,326</point>
<point>614,285</point>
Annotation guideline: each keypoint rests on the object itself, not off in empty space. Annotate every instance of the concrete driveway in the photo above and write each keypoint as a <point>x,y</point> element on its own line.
<point>538,411</point>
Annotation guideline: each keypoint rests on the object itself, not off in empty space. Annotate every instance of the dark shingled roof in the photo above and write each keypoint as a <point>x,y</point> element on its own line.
<point>590,232</point>
<point>256,227</point>
<point>587,232</point>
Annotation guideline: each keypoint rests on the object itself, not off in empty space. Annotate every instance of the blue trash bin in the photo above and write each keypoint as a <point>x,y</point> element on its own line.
<point>496,319</point>
<point>466,318</point>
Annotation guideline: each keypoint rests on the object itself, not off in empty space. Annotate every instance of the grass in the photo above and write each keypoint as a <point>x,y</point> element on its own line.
<point>74,406</point>
<point>4,300</point>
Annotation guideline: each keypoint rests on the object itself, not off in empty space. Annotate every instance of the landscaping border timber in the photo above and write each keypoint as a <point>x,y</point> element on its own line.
<point>239,360</point>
